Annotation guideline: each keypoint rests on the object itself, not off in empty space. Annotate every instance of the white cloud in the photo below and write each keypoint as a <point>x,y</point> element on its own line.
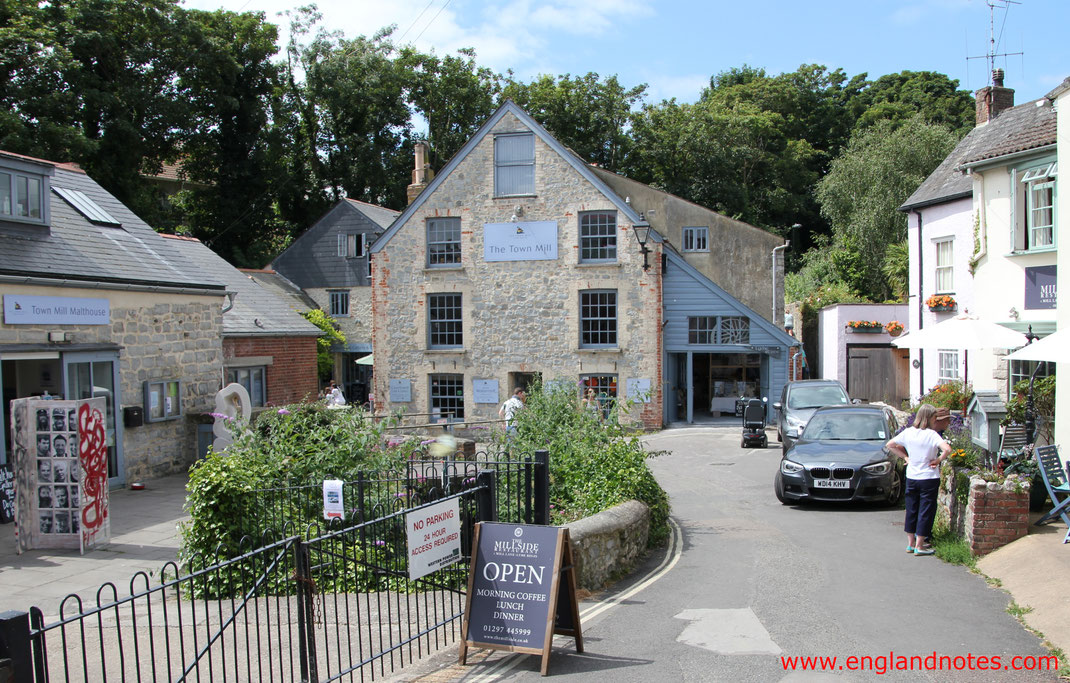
<point>684,87</point>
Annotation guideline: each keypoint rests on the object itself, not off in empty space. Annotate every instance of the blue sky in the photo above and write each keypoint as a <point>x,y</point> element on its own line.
<point>675,47</point>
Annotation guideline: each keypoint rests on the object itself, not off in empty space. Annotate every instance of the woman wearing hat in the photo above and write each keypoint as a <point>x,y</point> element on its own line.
<point>923,449</point>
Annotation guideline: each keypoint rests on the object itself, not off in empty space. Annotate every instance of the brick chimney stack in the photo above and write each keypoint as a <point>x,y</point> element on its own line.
<point>993,99</point>
<point>421,174</point>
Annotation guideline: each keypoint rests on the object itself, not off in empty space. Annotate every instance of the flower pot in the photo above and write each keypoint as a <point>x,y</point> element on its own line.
<point>895,332</point>
<point>868,330</point>
<point>942,309</point>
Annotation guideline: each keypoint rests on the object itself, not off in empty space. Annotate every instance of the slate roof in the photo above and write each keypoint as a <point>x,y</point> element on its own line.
<point>257,310</point>
<point>380,215</point>
<point>73,248</point>
<point>1018,129</point>
<point>278,285</point>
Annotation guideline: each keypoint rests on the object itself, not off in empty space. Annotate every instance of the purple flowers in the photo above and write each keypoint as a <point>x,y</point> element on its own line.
<point>283,411</point>
<point>380,543</point>
<point>220,416</point>
<point>427,441</point>
<point>480,427</point>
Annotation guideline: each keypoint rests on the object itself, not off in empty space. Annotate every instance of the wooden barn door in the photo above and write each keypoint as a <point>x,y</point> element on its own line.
<point>878,374</point>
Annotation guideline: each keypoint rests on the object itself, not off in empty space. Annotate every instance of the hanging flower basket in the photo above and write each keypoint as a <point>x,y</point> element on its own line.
<point>894,328</point>
<point>941,302</point>
<point>866,326</point>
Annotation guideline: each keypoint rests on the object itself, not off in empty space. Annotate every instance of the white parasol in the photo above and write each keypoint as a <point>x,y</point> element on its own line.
<point>962,332</point>
<point>1054,347</point>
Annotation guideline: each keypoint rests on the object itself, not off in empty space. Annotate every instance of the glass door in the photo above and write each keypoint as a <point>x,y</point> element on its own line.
<point>91,375</point>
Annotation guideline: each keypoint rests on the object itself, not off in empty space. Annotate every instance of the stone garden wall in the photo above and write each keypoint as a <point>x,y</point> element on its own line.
<point>609,543</point>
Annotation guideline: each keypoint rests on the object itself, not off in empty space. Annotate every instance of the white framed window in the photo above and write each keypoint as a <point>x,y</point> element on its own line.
<point>446,394</point>
<point>605,391</point>
<point>1035,206</point>
<point>339,303</point>
<point>696,239</point>
<point>23,193</point>
<point>351,245</point>
<point>254,381</point>
<point>443,242</point>
<point>1022,370</point>
<point>444,328</point>
<point>945,267</point>
<point>598,318</point>
<point>598,236</point>
<point>948,366</point>
<point>514,164</point>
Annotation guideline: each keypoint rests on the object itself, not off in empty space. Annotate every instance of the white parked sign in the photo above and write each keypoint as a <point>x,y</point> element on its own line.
<point>434,537</point>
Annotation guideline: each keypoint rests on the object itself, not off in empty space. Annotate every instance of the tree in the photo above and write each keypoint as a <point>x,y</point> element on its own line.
<point>880,168</point>
<point>331,335</point>
<point>901,96</point>
<point>589,114</point>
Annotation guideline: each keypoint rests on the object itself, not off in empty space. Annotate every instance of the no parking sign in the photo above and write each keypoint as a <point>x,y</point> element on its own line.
<point>434,534</point>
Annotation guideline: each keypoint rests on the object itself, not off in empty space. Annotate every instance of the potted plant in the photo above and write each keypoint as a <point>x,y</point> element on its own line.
<point>894,328</point>
<point>870,326</point>
<point>941,302</point>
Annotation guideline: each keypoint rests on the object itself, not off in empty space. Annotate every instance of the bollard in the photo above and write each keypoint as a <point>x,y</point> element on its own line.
<point>15,647</point>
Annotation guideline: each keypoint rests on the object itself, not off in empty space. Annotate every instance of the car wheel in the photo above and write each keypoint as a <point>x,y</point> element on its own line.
<point>779,436</point>
<point>895,492</point>
<point>778,489</point>
<point>742,443</point>
<point>765,441</point>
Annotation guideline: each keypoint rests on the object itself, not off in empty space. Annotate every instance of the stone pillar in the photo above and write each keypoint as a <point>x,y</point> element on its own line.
<point>993,99</point>
<point>421,173</point>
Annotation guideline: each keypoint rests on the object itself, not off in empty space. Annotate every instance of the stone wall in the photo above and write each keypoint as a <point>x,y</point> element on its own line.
<point>609,543</point>
<point>518,316</point>
<point>291,374</point>
<point>997,514</point>
<point>357,325</point>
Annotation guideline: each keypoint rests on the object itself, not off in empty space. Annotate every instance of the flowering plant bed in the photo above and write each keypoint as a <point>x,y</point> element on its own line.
<point>866,326</point>
<point>894,328</point>
<point>941,302</point>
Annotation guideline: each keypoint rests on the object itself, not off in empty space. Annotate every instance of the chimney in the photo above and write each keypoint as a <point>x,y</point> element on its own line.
<point>421,174</point>
<point>993,99</point>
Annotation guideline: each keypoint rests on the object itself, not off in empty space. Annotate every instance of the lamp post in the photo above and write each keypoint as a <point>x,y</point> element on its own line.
<point>642,234</point>
<point>1030,406</point>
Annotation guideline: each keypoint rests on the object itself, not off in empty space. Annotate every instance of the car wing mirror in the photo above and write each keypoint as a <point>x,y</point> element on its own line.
<point>856,401</point>
<point>777,406</point>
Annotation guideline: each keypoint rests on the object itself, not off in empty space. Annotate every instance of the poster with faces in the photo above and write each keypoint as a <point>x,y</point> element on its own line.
<point>58,468</point>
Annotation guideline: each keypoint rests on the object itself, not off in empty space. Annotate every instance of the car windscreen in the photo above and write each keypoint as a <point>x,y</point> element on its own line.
<point>815,397</point>
<point>838,426</point>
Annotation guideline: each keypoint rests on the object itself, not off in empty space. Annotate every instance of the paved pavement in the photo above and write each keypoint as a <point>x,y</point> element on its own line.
<point>781,579</point>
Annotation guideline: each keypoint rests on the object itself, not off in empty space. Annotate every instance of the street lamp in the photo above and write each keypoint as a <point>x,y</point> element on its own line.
<point>1030,406</point>
<point>642,235</point>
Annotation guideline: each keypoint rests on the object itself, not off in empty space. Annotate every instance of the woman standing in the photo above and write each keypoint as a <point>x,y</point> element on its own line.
<point>923,449</point>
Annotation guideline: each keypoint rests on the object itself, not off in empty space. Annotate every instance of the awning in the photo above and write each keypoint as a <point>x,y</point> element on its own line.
<point>366,360</point>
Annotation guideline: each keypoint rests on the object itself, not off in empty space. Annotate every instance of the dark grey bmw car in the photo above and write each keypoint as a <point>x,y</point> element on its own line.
<point>841,456</point>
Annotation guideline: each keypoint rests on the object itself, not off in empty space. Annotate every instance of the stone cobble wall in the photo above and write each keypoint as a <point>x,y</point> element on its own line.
<point>609,543</point>
<point>518,316</point>
<point>357,325</point>
<point>997,514</point>
<point>161,337</point>
<point>291,376</point>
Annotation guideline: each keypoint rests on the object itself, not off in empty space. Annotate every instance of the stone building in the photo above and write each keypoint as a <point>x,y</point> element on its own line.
<point>329,263</point>
<point>96,303</point>
<point>519,260</point>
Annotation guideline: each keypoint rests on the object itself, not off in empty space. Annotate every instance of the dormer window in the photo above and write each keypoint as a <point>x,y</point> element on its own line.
<point>23,192</point>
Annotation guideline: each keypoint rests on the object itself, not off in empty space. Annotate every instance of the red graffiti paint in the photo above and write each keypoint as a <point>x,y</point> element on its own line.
<point>93,452</point>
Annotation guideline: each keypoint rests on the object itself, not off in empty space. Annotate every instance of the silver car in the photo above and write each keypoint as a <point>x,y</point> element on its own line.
<point>799,400</point>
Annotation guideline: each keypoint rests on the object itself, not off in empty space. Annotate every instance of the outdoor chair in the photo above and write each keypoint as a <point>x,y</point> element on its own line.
<point>1011,443</point>
<point>1055,480</point>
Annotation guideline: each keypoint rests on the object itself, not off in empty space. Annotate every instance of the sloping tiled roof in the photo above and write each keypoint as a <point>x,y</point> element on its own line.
<point>1018,129</point>
<point>74,248</point>
<point>256,310</point>
<point>380,215</point>
<point>277,284</point>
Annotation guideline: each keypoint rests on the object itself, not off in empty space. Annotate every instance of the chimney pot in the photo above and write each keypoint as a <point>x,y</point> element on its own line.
<point>997,78</point>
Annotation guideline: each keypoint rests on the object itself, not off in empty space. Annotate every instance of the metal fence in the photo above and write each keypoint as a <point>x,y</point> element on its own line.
<point>331,603</point>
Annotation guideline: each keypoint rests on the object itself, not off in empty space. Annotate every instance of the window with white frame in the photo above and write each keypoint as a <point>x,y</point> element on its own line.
<point>446,396</point>
<point>1035,206</point>
<point>605,391</point>
<point>339,302</point>
<point>697,239</point>
<point>598,318</point>
<point>350,245</point>
<point>514,164</point>
<point>253,379</point>
<point>947,366</point>
<point>443,242</point>
<point>444,330</point>
<point>945,269</point>
<point>23,193</point>
<point>1022,370</point>
<point>598,236</point>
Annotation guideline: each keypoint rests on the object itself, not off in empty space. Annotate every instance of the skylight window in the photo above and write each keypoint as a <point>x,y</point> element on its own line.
<point>86,206</point>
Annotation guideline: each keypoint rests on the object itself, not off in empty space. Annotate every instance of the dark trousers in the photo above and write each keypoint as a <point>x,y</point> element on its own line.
<point>921,506</point>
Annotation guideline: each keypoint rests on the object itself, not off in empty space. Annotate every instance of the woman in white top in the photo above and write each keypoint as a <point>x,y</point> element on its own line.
<point>923,449</point>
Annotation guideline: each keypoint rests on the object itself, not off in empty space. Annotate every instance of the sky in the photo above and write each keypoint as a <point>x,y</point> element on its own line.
<point>675,46</point>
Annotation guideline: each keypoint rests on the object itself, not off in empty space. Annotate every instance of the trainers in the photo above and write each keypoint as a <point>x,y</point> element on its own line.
<point>924,551</point>
<point>910,549</point>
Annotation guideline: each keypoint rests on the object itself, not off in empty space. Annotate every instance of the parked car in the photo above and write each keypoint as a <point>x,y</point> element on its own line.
<point>799,400</point>
<point>841,456</point>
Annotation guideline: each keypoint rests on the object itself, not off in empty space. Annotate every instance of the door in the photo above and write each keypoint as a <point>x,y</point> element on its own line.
<point>873,374</point>
<point>96,374</point>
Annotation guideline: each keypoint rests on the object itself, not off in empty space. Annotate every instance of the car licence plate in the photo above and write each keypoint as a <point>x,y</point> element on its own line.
<point>832,483</point>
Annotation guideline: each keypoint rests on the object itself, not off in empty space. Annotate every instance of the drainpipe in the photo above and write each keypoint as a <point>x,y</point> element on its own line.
<point>786,244</point>
<point>921,304</point>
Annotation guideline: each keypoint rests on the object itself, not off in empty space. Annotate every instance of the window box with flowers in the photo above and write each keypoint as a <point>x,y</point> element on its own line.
<point>866,326</point>
<point>894,328</point>
<point>941,302</point>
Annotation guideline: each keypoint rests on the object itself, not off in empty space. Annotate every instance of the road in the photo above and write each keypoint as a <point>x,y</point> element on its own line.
<point>757,581</point>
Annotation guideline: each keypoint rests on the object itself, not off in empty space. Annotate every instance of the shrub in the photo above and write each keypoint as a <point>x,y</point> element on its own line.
<point>1043,404</point>
<point>594,465</point>
<point>952,395</point>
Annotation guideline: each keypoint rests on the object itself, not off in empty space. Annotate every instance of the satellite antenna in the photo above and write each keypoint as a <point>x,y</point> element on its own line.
<point>993,43</point>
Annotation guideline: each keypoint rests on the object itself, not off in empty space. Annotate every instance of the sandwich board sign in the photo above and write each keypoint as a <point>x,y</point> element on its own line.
<point>521,590</point>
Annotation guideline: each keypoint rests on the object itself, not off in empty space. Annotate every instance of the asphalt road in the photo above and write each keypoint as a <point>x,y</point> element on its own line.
<point>756,581</point>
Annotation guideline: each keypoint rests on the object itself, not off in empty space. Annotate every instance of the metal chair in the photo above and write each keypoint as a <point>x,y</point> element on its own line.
<point>1011,442</point>
<point>1058,484</point>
